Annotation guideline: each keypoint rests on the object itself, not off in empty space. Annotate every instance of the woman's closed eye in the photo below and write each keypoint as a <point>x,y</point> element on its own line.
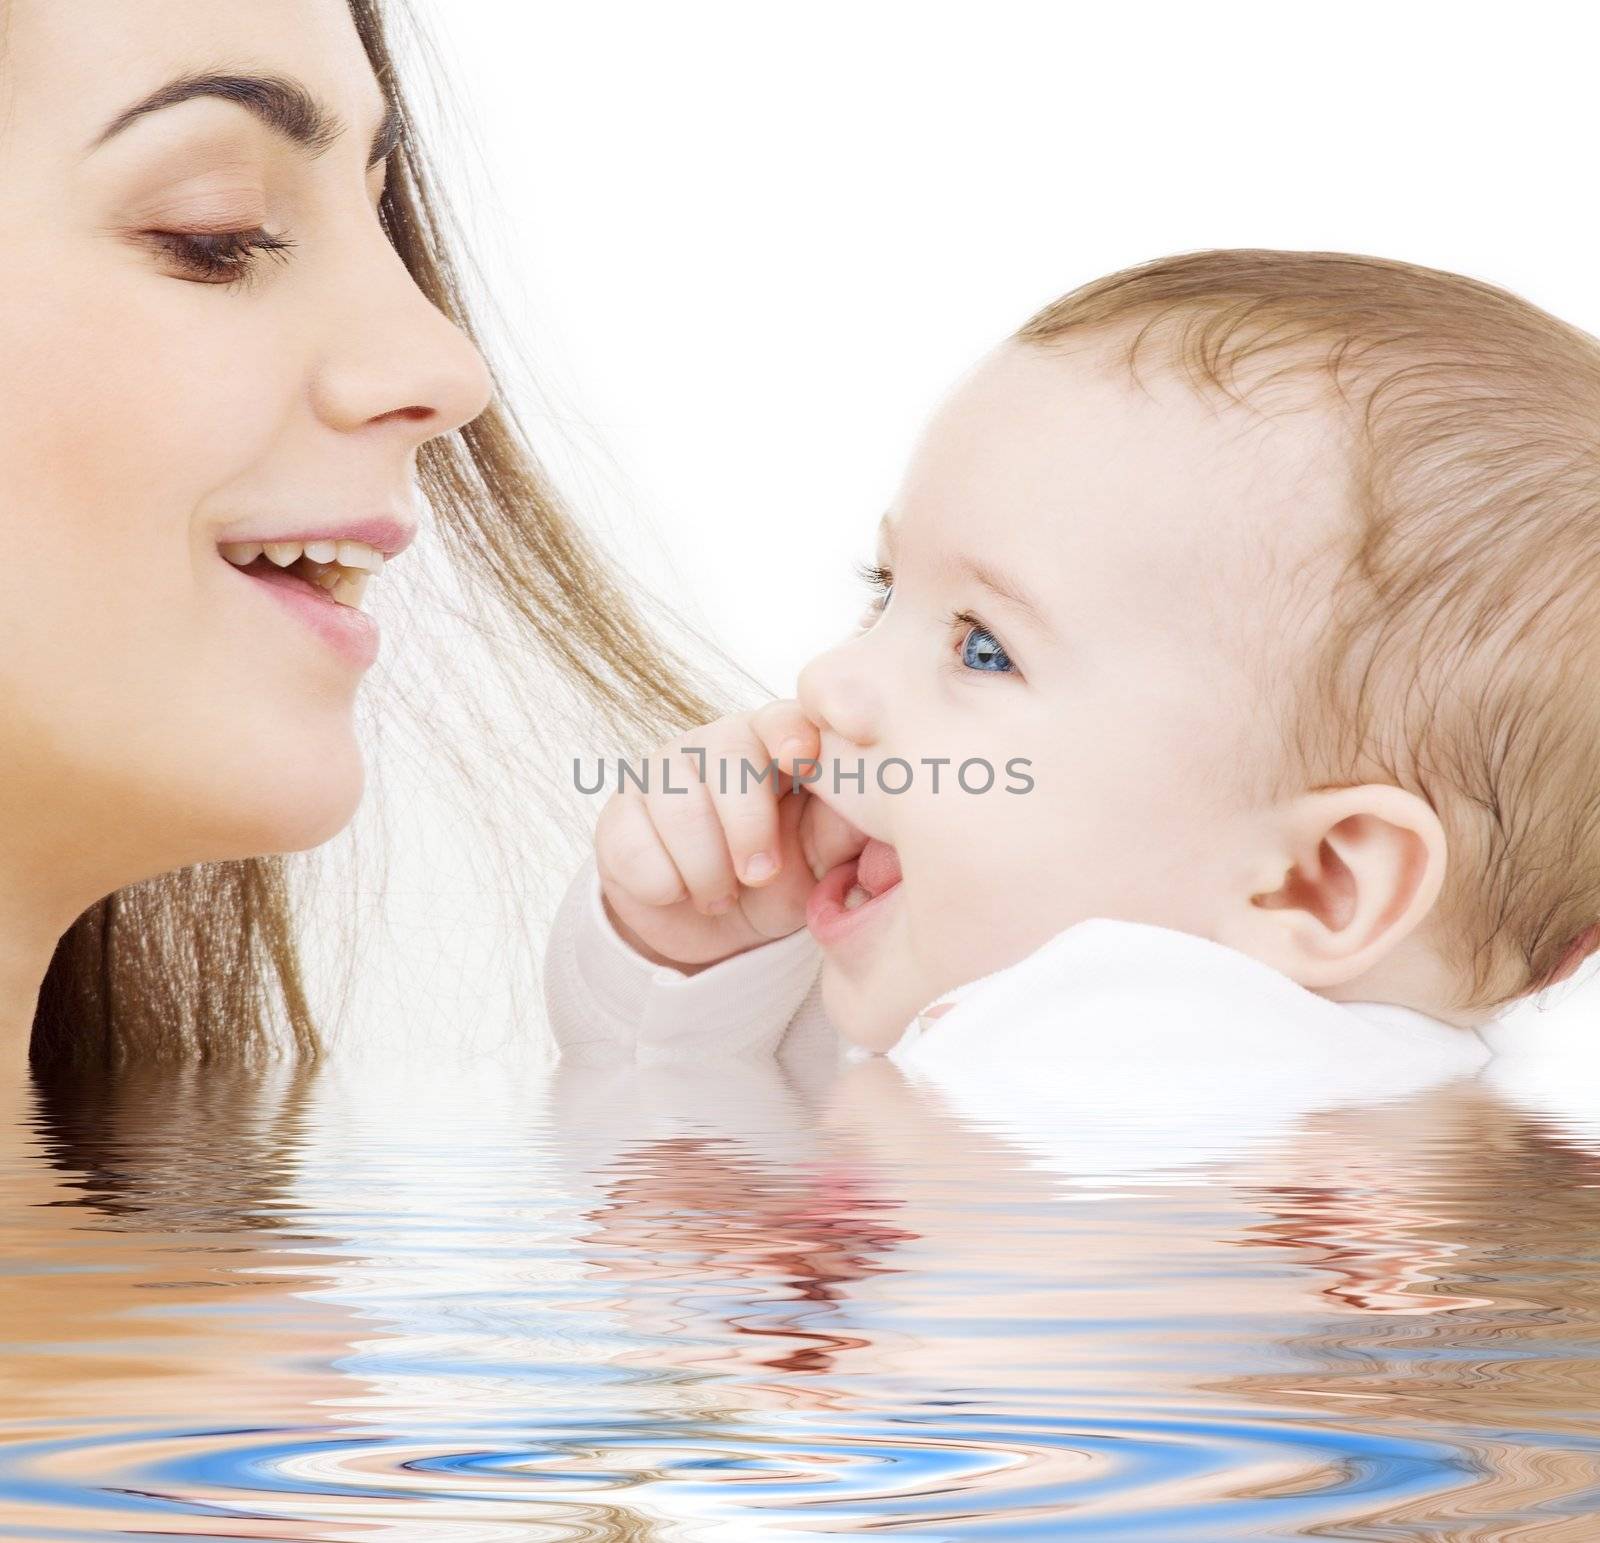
<point>220,256</point>
<point>976,645</point>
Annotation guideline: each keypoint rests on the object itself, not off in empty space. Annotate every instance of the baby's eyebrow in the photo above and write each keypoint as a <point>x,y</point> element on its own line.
<point>991,578</point>
<point>997,583</point>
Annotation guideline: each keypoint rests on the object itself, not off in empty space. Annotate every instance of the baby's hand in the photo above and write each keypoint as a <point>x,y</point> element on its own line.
<point>682,872</point>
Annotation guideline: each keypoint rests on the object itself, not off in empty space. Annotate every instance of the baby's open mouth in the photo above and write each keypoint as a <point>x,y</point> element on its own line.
<point>877,872</point>
<point>852,891</point>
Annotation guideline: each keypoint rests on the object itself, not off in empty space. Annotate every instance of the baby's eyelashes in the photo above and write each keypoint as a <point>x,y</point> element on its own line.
<point>881,582</point>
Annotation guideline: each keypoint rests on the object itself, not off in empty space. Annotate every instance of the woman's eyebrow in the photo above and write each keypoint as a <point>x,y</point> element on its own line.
<point>285,106</point>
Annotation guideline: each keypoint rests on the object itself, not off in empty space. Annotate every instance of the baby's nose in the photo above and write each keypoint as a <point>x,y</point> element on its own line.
<point>840,698</point>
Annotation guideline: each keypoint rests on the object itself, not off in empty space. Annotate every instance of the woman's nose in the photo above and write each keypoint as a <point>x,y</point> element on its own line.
<point>838,694</point>
<point>395,357</point>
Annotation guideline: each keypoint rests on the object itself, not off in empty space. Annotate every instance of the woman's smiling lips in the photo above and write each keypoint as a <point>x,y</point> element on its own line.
<point>319,576</point>
<point>875,869</point>
<point>349,631</point>
<point>390,534</point>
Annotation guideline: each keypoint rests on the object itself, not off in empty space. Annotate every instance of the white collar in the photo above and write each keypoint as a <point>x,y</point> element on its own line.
<point>1394,1014</point>
<point>1105,961</point>
<point>1168,1046</point>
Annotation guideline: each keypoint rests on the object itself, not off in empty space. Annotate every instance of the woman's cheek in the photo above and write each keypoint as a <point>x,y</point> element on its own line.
<point>122,640</point>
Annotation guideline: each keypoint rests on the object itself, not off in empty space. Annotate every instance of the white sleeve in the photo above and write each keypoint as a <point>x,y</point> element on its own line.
<point>606,1003</point>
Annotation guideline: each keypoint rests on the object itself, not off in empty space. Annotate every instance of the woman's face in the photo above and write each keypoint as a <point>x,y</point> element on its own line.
<point>157,705</point>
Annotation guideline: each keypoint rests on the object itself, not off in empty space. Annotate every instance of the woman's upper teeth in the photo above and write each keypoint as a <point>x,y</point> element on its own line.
<point>348,554</point>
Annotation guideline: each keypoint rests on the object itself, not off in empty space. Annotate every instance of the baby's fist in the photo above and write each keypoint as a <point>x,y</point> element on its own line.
<point>708,863</point>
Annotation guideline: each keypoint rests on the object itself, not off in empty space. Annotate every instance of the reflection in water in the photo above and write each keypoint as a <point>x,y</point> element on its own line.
<point>779,1248</point>
<point>516,1301</point>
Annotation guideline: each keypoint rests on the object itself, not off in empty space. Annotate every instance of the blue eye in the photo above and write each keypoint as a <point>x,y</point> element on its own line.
<point>981,650</point>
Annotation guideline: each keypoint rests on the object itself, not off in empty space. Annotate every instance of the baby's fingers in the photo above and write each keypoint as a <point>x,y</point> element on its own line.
<point>631,855</point>
<point>744,790</point>
<point>827,838</point>
<point>787,734</point>
<point>690,827</point>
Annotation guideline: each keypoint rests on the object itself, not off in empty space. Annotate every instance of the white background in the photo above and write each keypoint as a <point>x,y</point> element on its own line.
<point>739,250</point>
<point>747,246</point>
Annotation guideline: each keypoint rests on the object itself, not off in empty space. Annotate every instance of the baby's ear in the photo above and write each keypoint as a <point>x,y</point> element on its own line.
<point>1357,870</point>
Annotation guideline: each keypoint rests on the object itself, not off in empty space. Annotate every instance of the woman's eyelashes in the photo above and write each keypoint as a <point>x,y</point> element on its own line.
<point>976,646</point>
<point>219,257</point>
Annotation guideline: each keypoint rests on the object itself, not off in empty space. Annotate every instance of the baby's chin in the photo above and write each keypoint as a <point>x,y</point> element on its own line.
<point>871,1014</point>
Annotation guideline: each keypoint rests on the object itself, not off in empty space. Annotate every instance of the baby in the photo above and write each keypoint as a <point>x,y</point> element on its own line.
<point>1250,594</point>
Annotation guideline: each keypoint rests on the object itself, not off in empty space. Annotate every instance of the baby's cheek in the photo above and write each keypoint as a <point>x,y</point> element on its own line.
<point>989,902</point>
<point>950,927</point>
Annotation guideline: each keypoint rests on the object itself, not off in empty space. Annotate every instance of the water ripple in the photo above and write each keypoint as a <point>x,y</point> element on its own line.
<point>552,1310</point>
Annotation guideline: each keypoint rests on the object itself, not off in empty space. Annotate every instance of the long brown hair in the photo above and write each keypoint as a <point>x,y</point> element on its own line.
<point>206,961</point>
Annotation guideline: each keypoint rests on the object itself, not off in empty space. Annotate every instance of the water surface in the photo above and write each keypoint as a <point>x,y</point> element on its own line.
<point>391,1300</point>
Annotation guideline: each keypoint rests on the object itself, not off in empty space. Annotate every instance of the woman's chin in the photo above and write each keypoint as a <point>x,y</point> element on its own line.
<point>289,802</point>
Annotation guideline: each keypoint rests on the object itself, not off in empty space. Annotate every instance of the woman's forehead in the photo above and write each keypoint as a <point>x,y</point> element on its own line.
<point>76,77</point>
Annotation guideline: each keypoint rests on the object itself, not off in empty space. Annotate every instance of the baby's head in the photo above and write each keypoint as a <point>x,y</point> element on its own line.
<point>1266,587</point>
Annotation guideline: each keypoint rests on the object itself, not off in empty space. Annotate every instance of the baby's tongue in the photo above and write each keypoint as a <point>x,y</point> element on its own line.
<point>878,867</point>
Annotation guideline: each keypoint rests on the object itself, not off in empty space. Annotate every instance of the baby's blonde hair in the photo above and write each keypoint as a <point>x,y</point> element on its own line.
<point>1463,655</point>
